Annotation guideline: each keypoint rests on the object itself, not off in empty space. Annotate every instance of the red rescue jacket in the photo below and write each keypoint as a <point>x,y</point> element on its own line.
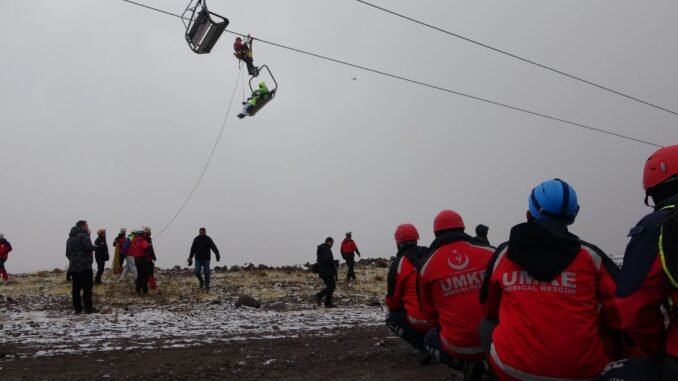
<point>550,328</point>
<point>4,250</point>
<point>348,246</point>
<point>402,286</point>
<point>138,248</point>
<point>450,282</point>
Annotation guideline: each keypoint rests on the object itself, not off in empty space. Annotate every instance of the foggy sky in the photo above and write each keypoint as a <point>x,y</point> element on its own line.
<point>106,115</point>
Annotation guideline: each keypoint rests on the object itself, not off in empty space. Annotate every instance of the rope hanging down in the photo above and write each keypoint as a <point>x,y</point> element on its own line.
<point>416,82</point>
<point>504,52</point>
<point>209,159</point>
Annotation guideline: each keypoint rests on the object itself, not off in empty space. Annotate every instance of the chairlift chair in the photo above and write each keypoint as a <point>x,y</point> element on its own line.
<point>265,99</point>
<point>202,31</point>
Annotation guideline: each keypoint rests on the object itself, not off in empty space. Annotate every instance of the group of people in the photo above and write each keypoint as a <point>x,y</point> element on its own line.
<point>546,304</point>
<point>135,250</point>
<point>134,253</point>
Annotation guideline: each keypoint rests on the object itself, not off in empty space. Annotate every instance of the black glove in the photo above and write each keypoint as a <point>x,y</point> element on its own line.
<point>218,258</point>
<point>190,262</point>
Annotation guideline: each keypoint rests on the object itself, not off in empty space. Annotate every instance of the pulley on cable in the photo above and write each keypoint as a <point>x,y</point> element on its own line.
<point>202,31</point>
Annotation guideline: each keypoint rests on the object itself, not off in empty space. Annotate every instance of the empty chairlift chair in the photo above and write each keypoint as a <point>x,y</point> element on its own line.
<point>202,32</point>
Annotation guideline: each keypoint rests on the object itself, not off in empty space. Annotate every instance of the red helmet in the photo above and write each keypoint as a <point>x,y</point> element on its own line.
<point>447,219</point>
<point>406,232</point>
<point>661,166</point>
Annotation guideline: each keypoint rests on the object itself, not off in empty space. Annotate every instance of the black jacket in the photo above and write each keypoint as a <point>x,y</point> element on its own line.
<point>101,249</point>
<point>326,265</point>
<point>79,250</point>
<point>201,247</point>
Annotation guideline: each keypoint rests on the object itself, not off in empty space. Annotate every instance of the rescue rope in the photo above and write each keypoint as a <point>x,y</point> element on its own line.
<point>209,159</point>
<point>435,87</point>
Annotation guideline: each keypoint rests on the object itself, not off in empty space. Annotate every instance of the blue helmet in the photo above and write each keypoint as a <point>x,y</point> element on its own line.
<point>554,199</point>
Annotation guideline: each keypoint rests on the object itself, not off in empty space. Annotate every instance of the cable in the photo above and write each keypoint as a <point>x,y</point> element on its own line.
<point>534,113</point>
<point>209,160</point>
<point>591,83</point>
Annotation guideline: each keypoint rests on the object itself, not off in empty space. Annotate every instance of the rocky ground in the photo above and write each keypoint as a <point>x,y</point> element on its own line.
<point>177,331</point>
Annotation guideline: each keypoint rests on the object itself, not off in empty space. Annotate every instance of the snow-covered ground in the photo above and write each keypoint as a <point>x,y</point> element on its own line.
<point>41,333</point>
<point>36,319</point>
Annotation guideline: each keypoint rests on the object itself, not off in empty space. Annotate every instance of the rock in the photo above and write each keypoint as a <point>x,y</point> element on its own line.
<point>247,301</point>
<point>215,302</point>
<point>249,267</point>
<point>263,267</point>
<point>381,263</point>
<point>176,269</point>
<point>235,269</point>
<point>373,302</point>
<point>57,271</point>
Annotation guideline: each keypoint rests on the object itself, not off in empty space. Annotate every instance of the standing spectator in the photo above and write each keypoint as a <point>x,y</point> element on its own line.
<point>118,259</point>
<point>79,250</point>
<point>481,234</point>
<point>100,254</point>
<point>327,270</point>
<point>139,251</point>
<point>348,250</point>
<point>152,282</point>
<point>126,256</point>
<point>202,248</point>
<point>5,248</point>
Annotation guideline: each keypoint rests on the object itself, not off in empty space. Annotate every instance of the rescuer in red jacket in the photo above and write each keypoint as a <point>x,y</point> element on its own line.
<point>348,250</point>
<point>405,318</point>
<point>450,281</point>
<point>648,280</point>
<point>552,295</point>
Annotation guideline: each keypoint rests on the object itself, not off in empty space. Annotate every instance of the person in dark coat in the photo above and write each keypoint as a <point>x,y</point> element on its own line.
<point>201,249</point>
<point>481,234</point>
<point>79,251</point>
<point>327,269</point>
<point>100,254</point>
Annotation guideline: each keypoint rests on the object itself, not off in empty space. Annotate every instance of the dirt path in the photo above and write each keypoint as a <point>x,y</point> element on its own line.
<point>353,354</point>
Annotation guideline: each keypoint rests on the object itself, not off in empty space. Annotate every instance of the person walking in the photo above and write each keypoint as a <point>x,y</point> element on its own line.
<point>5,248</point>
<point>348,250</point>
<point>100,254</point>
<point>79,251</point>
<point>118,259</point>
<point>327,270</point>
<point>202,249</point>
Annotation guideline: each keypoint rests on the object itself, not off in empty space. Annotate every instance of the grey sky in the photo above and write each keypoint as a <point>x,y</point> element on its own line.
<point>106,115</point>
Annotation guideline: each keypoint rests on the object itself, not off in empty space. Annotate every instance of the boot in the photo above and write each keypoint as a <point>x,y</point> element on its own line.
<point>474,371</point>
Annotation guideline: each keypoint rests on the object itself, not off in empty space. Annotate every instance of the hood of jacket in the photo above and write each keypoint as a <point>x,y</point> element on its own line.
<point>543,250</point>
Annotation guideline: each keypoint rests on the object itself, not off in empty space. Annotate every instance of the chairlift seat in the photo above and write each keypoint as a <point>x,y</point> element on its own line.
<point>202,31</point>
